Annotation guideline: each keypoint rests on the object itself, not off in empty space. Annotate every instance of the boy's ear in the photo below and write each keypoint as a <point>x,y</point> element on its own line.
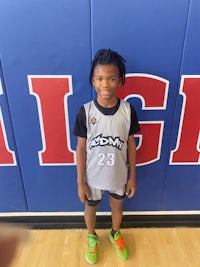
<point>120,81</point>
<point>93,80</point>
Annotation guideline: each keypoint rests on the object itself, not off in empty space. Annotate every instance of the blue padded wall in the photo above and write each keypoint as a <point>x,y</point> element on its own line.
<point>182,185</point>
<point>45,50</point>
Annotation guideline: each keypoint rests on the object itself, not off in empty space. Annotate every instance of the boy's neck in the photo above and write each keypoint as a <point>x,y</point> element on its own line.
<point>107,103</point>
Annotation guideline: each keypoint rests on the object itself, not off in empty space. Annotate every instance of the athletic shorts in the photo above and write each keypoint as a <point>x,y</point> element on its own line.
<point>97,194</point>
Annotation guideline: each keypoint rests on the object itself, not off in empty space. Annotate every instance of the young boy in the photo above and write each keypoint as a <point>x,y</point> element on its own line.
<point>105,149</point>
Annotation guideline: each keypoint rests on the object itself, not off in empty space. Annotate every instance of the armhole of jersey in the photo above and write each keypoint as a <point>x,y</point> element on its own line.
<point>128,105</point>
<point>87,108</point>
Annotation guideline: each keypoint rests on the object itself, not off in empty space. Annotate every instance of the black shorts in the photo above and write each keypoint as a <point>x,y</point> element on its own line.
<point>97,194</point>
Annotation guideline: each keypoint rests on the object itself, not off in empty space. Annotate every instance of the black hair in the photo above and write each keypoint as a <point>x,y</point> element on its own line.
<point>105,57</point>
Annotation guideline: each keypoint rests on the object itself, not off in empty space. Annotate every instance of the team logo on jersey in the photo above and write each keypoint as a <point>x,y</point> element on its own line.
<point>93,120</point>
<point>101,140</point>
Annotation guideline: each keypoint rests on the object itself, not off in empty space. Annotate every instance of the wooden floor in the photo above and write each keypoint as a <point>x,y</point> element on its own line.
<point>149,247</point>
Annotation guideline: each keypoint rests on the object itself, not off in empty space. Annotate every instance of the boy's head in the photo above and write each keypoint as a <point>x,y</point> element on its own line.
<point>106,57</point>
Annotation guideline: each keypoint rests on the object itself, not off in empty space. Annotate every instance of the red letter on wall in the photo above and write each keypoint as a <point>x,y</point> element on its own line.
<point>152,91</point>
<point>187,149</point>
<point>7,157</point>
<point>51,93</point>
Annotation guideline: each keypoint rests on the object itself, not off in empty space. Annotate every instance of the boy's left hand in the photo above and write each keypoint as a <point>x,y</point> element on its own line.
<point>131,188</point>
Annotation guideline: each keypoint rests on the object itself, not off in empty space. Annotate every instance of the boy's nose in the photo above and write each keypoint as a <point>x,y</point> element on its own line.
<point>105,82</point>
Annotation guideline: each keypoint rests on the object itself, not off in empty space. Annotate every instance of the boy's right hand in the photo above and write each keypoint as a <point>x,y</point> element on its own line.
<point>84,193</point>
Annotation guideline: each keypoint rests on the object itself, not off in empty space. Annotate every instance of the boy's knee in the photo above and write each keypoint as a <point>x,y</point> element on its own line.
<point>116,203</point>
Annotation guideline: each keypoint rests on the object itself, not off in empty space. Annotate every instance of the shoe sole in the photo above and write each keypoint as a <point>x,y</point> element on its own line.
<point>90,261</point>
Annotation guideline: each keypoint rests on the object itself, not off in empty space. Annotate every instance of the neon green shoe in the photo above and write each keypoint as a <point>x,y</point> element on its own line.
<point>91,250</point>
<point>119,245</point>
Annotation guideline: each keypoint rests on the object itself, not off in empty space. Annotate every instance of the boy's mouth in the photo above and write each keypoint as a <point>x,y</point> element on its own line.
<point>105,92</point>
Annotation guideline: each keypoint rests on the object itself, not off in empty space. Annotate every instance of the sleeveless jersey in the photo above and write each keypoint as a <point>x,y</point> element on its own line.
<point>107,136</point>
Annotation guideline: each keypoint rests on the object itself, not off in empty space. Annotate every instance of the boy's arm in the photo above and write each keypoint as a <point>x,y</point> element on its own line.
<point>83,190</point>
<point>131,150</point>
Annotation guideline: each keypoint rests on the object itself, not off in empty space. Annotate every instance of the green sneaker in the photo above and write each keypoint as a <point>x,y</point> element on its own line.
<point>91,250</point>
<point>119,245</point>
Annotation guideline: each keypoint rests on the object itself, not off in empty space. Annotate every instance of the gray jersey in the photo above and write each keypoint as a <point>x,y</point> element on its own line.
<point>107,136</point>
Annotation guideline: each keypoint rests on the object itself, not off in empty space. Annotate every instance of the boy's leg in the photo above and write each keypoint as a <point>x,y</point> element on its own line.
<point>115,234</point>
<point>91,209</point>
<point>117,212</point>
<point>91,249</point>
<point>90,218</point>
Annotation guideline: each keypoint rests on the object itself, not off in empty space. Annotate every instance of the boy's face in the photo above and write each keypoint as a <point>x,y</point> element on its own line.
<point>106,81</point>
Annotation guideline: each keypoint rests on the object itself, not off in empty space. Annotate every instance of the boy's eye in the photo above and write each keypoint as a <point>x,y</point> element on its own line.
<point>111,79</point>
